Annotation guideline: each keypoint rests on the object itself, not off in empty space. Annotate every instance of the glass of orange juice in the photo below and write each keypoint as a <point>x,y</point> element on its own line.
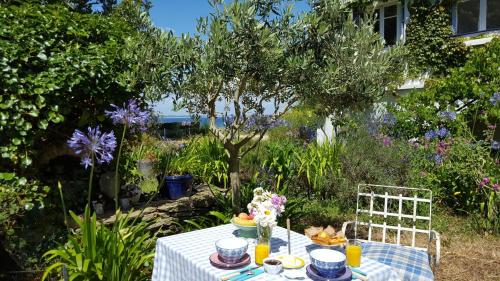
<point>263,247</point>
<point>353,253</point>
<point>261,252</point>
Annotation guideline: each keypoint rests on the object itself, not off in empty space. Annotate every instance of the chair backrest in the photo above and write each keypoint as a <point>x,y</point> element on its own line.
<point>393,214</point>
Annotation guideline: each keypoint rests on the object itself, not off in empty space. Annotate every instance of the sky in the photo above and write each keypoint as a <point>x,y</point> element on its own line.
<point>180,16</point>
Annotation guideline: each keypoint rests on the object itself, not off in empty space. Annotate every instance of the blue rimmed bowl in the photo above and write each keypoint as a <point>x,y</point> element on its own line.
<point>231,250</point>
<point>328,263</point>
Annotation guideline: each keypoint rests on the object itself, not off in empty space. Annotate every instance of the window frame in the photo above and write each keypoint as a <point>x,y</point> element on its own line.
<point>481,25</point>
<point>399,21</point>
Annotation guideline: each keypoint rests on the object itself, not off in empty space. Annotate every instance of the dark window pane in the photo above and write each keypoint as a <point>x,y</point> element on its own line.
<point>493,17</point>
<point>390,30</point>
<point>468,16</point>
<point>377,22</point>
<point>391,11</point>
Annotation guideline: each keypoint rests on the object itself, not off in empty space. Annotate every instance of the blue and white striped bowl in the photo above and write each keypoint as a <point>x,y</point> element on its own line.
<point>231,250</point>
<point>328,263</point>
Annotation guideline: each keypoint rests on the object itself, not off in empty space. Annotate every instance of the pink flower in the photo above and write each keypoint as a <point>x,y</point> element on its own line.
<point>387,141</point>
<point>492,127</point>
<point>486,180</point>
<point>495,186</point>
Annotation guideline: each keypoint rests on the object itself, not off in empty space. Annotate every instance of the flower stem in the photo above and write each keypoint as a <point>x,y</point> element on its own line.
<point>59,186</point>
<point>90,179</point>
<point>118,166</point>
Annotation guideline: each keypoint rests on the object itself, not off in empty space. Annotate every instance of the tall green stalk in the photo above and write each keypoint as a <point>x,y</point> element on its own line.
<point>63,204</point>
<point>118,166</point>
<point>90,179</point>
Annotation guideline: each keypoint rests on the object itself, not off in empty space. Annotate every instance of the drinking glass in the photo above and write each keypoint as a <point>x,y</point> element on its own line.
<point>353,253</point>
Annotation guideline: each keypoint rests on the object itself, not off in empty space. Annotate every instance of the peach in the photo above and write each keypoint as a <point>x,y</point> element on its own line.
<point>243,216</point>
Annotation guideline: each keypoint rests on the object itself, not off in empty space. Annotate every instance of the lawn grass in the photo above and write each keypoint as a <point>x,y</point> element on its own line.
<point>465,254</point>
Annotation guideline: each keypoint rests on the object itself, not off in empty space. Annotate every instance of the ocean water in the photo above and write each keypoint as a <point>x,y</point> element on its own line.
<point>219,122</point>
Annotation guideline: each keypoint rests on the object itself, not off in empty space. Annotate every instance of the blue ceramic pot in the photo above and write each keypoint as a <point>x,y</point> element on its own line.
<point>175,187</point>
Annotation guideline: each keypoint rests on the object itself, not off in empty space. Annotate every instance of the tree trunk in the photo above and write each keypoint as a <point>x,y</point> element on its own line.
<point>234,179</point>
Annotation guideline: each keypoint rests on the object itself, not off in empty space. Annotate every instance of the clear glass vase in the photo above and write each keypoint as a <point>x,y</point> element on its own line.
<point>263,247</point>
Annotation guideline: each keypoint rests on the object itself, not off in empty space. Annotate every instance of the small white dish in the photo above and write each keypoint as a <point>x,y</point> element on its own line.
<point>272,266</point>
<point>294,274</point>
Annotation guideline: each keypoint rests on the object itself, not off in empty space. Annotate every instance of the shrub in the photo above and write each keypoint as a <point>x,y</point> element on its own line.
<point>453,169</point>
<point>95,252</point>
<point>67,59</point>
<point>372,160</point>
<point>18,195</point>
<point>469,92</point>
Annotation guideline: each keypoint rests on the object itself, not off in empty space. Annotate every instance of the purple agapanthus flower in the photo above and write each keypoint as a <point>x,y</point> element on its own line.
<point>450,115</point>
<point>99,144</point>
<point>129,115</point>
<point>495,98</point>
<point>495,145</point>
<point>260,122</point>
<point>442,133</point>
<point>389,119</point>
<point>438,159</point>
<point>431,134</point>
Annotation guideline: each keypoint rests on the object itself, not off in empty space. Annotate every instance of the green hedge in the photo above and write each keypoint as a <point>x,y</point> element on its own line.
<point>57,67</point>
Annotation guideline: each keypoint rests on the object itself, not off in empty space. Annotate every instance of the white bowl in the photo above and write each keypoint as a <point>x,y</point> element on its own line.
<point>272,268</point>
<point>231,250</point>
<point>328,263</point>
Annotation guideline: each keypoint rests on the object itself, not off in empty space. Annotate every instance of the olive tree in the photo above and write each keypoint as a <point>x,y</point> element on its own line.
<point>353,68</point>
<point>252,52</point>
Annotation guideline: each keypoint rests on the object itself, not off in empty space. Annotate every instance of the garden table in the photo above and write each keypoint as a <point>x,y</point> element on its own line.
<point>185,256</point>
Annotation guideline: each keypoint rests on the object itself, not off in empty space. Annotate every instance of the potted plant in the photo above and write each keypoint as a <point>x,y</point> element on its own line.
<point>146,164</point>
<point>175,180</point>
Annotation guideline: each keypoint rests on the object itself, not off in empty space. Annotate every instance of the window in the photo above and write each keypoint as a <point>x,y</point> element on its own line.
<point>391,24</point>
<point>468,16</point>
<point>493,14</point>
<point>476,15</point>
<point>388,24</point>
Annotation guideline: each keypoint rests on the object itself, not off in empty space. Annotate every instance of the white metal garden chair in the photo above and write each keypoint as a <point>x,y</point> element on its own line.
<point>403,212</point>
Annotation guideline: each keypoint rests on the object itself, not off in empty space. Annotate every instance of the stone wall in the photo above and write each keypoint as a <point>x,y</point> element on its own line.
<point>165,215</point>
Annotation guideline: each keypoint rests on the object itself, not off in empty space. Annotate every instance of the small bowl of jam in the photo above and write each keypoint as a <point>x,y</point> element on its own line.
<point>272,266</point>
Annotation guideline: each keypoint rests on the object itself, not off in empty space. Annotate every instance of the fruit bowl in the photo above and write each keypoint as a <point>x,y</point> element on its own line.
<point>247,229</point>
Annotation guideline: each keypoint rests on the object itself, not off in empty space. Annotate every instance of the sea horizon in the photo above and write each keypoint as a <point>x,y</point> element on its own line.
<point>219,121</point>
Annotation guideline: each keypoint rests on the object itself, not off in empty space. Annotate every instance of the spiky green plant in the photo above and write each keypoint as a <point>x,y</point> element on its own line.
<point>123,252</point>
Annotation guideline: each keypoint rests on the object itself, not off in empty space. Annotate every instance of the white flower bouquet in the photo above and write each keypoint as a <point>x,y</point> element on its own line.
<point>266,207</point>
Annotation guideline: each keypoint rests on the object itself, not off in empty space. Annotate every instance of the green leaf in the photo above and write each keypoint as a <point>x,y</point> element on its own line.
<point>42,56</point>
<point>42,124</point>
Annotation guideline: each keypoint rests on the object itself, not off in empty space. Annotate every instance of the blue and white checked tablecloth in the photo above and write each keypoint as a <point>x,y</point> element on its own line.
<point>184,257</point>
